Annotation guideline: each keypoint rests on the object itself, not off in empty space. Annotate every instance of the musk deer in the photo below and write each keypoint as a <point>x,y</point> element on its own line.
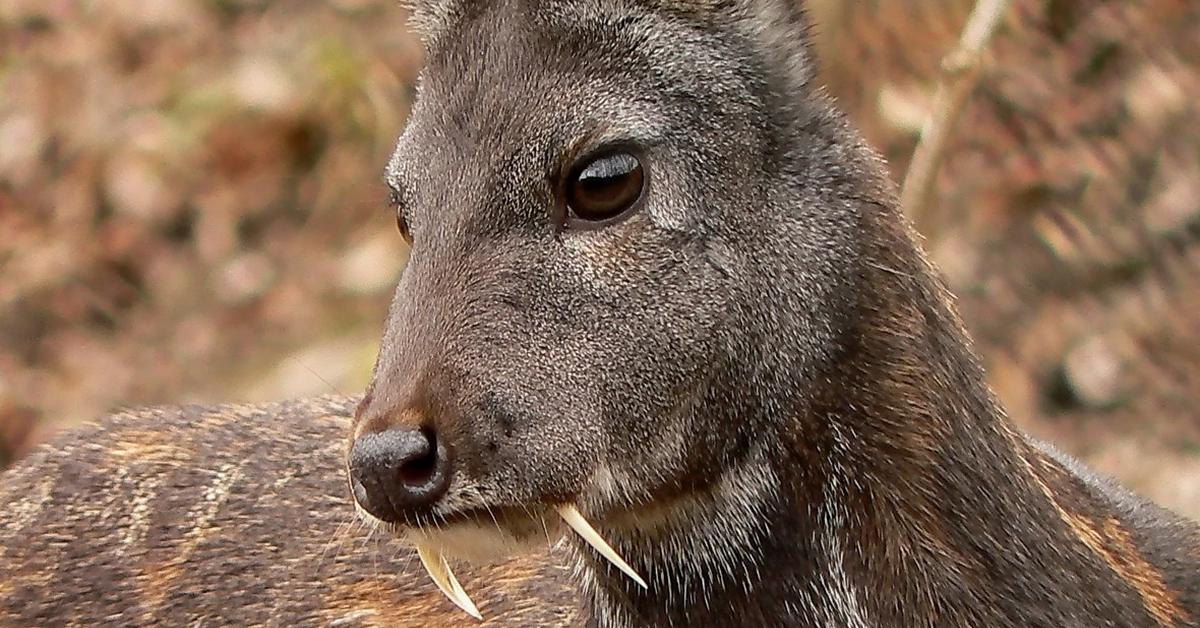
<point>661,313</point>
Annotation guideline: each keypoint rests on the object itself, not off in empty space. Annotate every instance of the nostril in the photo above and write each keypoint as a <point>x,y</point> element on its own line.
<point>397,470</point>
<point>421,467</point>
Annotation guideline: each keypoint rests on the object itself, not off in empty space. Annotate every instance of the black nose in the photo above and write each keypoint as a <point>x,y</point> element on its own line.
<point>398,470</point>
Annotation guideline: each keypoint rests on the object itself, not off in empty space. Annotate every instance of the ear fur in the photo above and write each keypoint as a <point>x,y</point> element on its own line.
<point>781,27</point>
<point>428,18</point>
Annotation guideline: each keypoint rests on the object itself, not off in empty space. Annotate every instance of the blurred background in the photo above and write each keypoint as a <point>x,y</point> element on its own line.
<point>191,207</point>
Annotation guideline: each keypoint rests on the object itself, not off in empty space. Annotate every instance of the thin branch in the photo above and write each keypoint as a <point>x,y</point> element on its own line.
<point>960,73</point>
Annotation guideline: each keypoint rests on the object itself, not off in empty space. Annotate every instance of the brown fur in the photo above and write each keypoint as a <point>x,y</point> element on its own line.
<point>226,515</point>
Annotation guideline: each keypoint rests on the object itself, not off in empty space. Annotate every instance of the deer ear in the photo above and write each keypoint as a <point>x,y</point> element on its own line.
<point>430,17</point>
<point>780,27</point>
<point>783,29</point>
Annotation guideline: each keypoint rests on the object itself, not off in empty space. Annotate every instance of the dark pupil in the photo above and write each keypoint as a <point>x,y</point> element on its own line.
<point>606,187</point>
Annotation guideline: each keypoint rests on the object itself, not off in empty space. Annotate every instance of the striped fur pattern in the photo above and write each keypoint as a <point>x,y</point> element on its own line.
<point>227,516</point>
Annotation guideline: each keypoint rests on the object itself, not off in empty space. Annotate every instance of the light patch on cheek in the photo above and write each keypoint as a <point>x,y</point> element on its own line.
<point>606,488</point>
<point>604,484</point>
<point>615,485</point>
<point>597,258</point>
<point>669,221</point>
<point>664,210</point>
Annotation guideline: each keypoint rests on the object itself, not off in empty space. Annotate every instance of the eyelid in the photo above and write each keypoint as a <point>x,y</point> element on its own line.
<point>397,201</point>
<point>604,149</point>
<point>398,205</point>
<point>395,198</point>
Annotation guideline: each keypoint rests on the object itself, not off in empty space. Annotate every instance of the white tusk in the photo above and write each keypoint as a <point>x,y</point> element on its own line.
<point>439,571</point>
<point>570,514</point>
<point>464,601</point>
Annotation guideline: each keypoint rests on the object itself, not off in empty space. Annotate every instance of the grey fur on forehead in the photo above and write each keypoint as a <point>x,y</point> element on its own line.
<point>780,27</point>
<point>431,18</point>
<point>434,14</point>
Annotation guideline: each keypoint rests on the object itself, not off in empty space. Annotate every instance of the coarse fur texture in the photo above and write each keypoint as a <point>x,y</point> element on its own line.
<point>754,385</point>
<point>226,516</point>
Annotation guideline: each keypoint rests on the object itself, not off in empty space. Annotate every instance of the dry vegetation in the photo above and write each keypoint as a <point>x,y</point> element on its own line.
<point>189,190</point>
<point>190,205</point>
<point>1067,216</point>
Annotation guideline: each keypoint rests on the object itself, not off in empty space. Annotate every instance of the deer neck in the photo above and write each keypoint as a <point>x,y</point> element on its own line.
<point>892,482</point>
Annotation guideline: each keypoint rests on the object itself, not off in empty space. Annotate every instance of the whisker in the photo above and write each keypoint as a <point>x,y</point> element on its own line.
<point>339,536</point>
<point>496,523</point>
<point>317,375</point>
<point>367,539</point>
<point>545,530</point>
<point>378,539</point>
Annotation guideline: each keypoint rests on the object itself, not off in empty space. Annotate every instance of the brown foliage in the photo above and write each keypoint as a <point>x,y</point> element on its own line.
<point>187,187</point>
<point>1068,211</point>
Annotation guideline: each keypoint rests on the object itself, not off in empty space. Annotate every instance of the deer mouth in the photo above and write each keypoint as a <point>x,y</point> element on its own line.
<point>484,534</point>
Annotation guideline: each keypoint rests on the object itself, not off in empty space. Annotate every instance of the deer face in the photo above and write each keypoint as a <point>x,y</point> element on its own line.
<point>586,188</point>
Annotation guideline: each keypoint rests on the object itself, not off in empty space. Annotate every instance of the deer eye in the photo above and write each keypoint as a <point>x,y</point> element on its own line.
<point>603,187</point>
<point>402,227</point>
<point>397,204</point>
